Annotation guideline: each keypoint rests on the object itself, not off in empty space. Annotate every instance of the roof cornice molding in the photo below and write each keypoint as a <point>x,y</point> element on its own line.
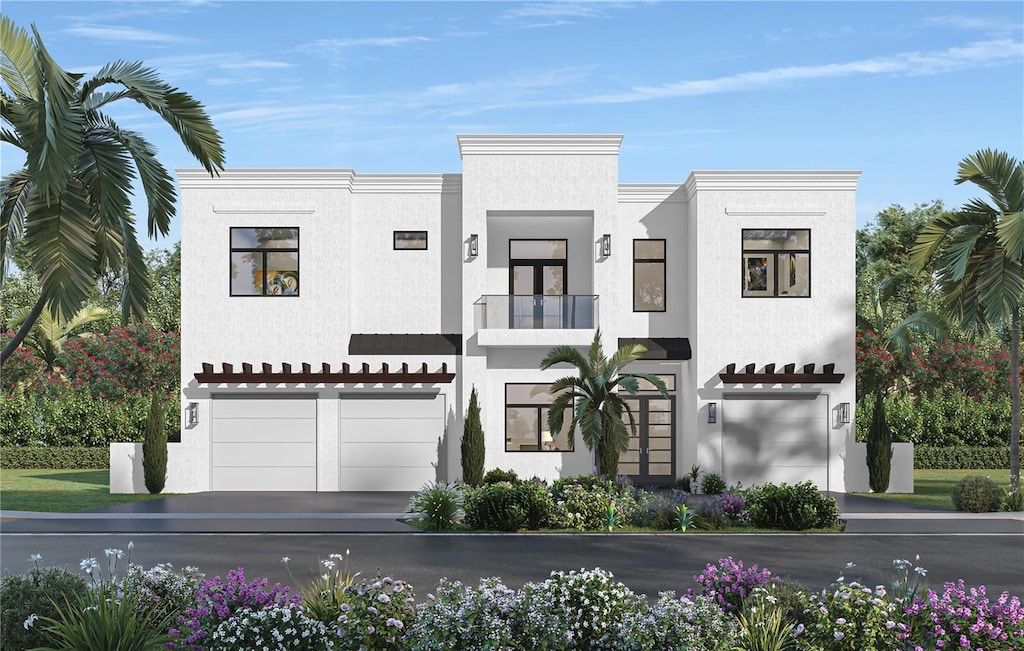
<point>406,183</point>
<point>537,144</point>
<point>813,180</point>
<point>263,178</point>
<point>651,193</point>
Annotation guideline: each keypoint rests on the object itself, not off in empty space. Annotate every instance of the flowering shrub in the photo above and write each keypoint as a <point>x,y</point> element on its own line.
<point>162,591</point>
<point>849,615</point>
<point>133,359</point>
<point>725,509</point>
<point>36,595</point>
<point>463,617</point>
<point>323,596</point>
<point>696,624</point>
<point>378,615</point>
<point>217,600</point>
<point>961,618</point>
<point>877,367</point>
<point>575,610</point>
<point>275,629</point>
<point>583,504</point>
<point>21,368</point>
<point>729,583</point>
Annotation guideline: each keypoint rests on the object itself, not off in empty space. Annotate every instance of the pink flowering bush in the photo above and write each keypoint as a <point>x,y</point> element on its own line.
<point>134,359</point>
<point>962,618</point>
<point>729,583</point>
<point>217,600</point>
<point>376,615</point>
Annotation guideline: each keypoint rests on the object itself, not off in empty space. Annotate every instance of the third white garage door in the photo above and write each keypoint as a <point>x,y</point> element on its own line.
<point>388,442</point>
<point>780,438</point>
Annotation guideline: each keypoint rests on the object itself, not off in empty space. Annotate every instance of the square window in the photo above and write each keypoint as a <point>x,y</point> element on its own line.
<point>526,421</point>
<point>264,262</point>
<point>776,263</point>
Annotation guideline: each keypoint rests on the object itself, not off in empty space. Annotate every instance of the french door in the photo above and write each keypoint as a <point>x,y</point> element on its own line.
<point>537,283</point>
<point>650,458</point>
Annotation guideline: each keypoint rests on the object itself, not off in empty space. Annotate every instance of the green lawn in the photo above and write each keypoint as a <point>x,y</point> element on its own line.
<point>61,491</point>
<point>935,487</point>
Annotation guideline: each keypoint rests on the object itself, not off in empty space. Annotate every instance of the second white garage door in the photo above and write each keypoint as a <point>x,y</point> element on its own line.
<point>390,443</point>
<point>263,443</point>
<point>780,438</point>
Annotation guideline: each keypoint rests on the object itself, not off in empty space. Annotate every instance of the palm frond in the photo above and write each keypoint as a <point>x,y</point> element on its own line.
<point>157,183</point>
<point>18,62</point>
<point>135,296</point>
<point>53,152</point>
<point>1010,232</point>
<point>14,190</point>
<point>934,234</point>
<point>596,355</point>
<point>927,323</point>
<point>1000,285</point>
<point>627,382</point>
<point>61,237</point>
<point>625,355</point>
<point>994,172</point>
<point>565,354</point>
<point>959,245</point>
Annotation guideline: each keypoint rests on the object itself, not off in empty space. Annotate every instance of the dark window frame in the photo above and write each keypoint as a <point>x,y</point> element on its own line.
<point>664,271</point>
<point>263,285</point>
<point>394,242</point>
<point>540,421</point>
<point>774,253</point>
<point>536,262</point>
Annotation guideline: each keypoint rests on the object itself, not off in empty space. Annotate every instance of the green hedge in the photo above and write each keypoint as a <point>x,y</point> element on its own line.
<point>62,458</point>
<point>960,458</point>
<point>949,420</point>
<point>74,418</point>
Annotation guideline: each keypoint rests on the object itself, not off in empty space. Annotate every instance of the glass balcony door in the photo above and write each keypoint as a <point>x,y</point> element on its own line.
<point>537,286</point>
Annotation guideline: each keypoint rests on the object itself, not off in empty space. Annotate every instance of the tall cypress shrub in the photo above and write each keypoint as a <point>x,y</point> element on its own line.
<point>473,444</point>
<point>154,446</point>
<point>879,453</point>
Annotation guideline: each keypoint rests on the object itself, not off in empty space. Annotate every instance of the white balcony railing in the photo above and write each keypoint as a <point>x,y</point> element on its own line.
<point>539,312</point>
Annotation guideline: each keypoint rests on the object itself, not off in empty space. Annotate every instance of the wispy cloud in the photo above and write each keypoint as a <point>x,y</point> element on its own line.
<point>118,33</point>
<point>258,64</point>
<point>972,23</point>
<point>974,55</point>
<point>555,14</point>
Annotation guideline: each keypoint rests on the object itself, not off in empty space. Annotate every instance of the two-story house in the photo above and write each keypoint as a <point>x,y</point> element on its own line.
<point>335,322</point>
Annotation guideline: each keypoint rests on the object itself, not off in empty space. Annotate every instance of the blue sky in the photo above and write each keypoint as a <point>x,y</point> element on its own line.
<point>902,90</point>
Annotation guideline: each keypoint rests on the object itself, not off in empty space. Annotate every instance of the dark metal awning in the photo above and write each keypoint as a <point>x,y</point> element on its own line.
<point>663,348</point>
<point>788,375</point>
<point>405,344</point>
<point>323,375</point>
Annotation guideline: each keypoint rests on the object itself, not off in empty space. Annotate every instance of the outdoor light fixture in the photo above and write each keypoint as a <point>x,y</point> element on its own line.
<point>192,414</point>
<point>474,245</point>
<point>606,245</point>
<point>844,412</point>
<point>712,412</point>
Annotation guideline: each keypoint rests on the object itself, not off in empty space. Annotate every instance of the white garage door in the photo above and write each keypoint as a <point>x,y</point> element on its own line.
<point>390,443</point>
<point>263,443</point>
<point>780,438</point>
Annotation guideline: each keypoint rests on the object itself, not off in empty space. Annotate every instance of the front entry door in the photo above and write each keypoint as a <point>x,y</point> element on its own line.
<point>650,458</point>
<point>536,285</point>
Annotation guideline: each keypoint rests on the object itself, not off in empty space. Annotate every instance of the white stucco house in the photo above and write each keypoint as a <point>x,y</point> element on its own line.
<point>334,322</point>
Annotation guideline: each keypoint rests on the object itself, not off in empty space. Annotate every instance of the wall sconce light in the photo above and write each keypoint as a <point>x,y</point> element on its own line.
<point>474,245</point>
<point>844,412</point>
<point>192,414</point>
<point>712,412</point>
<point>606,245</point>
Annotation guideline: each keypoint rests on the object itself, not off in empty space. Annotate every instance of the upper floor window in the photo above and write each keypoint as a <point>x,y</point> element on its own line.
<point>526,421</point>
<point>411,240</point>
<point>264,261</point>
<point>648,275</point>
<point>777,262</point>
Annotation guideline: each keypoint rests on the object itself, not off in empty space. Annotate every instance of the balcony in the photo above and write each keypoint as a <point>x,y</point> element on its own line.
<point>536,320</point>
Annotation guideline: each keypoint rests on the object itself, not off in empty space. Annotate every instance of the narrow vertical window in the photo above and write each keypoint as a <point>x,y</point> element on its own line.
<point>264,262</point>
<point>777,263</point>
<point>648,275</point>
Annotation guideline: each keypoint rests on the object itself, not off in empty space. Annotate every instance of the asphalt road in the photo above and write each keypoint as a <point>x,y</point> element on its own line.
<point>646,563</point>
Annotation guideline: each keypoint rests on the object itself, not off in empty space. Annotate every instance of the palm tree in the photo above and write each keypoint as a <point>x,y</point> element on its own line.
<point>594,398</point>
<point>69,204</point>
<point>897,340</point>
<point>978,257</point>
<point>50,332</point>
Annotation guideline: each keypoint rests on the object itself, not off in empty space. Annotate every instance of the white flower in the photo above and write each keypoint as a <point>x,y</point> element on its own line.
<point>30,621</point>
<point>88,564</point>
<point>851,565</point>
<point>113,552</point>
<point>35,558</point>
